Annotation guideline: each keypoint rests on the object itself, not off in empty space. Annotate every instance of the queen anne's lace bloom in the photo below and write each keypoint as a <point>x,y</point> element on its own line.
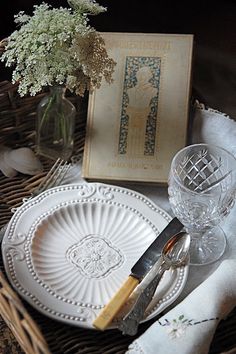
<point>57,46</point>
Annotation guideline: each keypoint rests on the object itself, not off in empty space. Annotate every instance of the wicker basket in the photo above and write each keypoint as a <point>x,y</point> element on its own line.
<point>35,332</point>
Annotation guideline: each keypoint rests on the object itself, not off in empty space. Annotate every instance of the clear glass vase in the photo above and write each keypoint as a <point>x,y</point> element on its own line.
<point>55,125</point>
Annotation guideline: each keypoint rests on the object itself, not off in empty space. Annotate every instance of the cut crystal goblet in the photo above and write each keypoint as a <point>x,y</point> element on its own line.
<point>202,188</point>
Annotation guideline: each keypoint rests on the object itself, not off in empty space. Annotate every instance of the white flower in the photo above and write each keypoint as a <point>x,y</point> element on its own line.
<point>176,329</point>
<point>21,17</point>
<point>57,46</point>
<point>86,6</point>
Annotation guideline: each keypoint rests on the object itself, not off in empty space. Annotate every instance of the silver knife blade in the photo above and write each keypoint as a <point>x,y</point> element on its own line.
<point>151,255</point>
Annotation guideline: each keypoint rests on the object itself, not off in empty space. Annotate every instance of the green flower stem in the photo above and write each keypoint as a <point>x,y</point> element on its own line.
<point>61,132</point>
<point>61,128</point>
<point>49,105</point>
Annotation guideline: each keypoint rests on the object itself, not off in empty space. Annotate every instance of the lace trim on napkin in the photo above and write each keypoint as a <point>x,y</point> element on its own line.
<point>213,127</point>
<point>203,107</point>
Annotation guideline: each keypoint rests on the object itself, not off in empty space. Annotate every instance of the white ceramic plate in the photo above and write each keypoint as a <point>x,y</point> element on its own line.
<point>68,250</point>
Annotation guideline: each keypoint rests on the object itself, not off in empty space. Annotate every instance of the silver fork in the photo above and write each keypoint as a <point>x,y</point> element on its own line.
<point>53,178</point>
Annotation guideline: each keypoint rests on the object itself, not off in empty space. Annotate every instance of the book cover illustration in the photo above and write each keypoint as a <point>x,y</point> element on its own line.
<point>137,123</point>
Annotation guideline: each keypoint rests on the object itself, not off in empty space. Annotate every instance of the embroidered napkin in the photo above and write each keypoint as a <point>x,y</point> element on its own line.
<point>210,294</point>
<point>189,327</point>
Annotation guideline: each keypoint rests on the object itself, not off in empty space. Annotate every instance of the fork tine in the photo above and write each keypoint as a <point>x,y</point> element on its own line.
<point>54,176</point>
<point>59,178</point>
<point>49,176</point>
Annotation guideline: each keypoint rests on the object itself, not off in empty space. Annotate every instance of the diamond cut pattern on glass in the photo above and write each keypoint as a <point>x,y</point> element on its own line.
<point>202,171</point>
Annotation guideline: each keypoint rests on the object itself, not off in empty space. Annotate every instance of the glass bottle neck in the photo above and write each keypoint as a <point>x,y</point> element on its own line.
<point>58,91</point>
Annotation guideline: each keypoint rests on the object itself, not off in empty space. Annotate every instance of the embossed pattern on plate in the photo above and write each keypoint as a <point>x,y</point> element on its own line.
<point>68,250</point>
<point>78,251</point>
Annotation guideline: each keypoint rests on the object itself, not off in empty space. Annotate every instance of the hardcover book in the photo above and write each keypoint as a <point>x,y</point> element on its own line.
<point>136,124</point>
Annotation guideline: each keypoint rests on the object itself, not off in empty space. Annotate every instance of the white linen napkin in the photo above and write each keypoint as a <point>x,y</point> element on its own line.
<point>213,127</point>
<point>189,327</point>
<point>210,293</point>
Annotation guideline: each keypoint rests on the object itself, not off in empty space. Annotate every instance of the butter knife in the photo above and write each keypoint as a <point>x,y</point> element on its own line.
<point>138,271</point>
<point>175,254</point>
